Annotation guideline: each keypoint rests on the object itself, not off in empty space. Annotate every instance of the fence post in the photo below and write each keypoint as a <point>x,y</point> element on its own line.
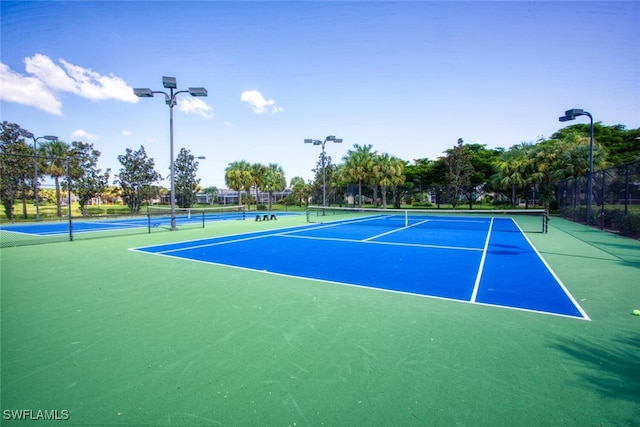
<point>68,165</point>
<point>603,195</point>
<point>627,195</point>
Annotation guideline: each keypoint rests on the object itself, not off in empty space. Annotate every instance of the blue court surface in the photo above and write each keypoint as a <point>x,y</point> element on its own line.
<point>485,261</point>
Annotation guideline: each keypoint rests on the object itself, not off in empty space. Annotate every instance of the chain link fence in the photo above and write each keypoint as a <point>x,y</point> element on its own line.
<point>615,204</point>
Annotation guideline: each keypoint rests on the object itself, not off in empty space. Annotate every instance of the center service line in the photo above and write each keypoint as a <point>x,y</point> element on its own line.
<point>476,286</point>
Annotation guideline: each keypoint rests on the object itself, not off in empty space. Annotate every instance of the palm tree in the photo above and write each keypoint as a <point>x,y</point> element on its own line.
<point>56,153</point>
<point>212,192</point>
<point>512,168</point>
<point>258,172</point>
<point>387,172</point>
<point>273,180</point>
<point>238,177</point>
<point>396,177</point>
<point>300,190</point>
<point>357,163</point>
<point>540,159</point>
<point>381,171</point>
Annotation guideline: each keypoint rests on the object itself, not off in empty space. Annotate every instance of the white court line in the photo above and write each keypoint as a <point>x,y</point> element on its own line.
<point>108,224</point>
<point>476,285</point>
<point>20,232</point>
<point>553,273</point>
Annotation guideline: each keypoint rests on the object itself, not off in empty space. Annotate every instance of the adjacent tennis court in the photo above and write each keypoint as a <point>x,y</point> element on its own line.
<point>472,258</point>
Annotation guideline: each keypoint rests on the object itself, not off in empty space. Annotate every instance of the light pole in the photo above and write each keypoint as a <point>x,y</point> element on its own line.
<point>571,115</point>
<point>335,140</point>
<point>170,99</point>
<point>26,134</point>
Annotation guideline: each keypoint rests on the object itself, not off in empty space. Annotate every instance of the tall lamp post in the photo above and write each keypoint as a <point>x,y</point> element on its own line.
<point>26,134</point>
<point>170,99</point>
<point>335,140</point>
<point>571,115</point>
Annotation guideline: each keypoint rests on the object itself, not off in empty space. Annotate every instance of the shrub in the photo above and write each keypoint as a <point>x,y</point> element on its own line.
<point>425,204</point>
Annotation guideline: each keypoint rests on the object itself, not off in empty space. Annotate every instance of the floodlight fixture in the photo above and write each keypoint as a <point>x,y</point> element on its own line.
<point>169,82</point>
<point>198,91</point>
<point>308,141</point>
<point>574,112</point>
<point>143,92</point>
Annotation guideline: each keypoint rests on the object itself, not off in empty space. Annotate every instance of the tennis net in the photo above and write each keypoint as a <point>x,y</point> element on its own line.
<point>528,220</point>
<point>198,214</point>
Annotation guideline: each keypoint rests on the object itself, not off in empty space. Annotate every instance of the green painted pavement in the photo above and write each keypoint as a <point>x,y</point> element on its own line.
<point>116,337</point>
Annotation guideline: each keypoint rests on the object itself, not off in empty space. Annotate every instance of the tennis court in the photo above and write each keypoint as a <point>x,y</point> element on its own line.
<point>106,335</point>
<point>476,259</point>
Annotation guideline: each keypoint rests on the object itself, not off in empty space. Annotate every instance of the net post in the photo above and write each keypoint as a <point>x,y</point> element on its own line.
<point>148,219</point>
<point>202,218</point>
<point>406,218</point>
<point>307,211</point>
<point>545,221</point>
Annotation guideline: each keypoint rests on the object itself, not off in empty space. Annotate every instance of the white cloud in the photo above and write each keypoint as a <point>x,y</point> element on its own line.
<point>192,105</point>
<point>28,91</point>
<point>258,103</point>
<point>50,74</point>
<point>97,87</point>
<point>126,133</point>
<point>48,80</point>
<point>83,134</point>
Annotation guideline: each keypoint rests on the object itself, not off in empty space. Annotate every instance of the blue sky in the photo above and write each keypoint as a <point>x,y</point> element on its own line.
<point>408,77</point>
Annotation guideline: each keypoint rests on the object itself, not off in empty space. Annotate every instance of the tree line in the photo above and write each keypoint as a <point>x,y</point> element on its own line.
<point>526,171</point>
<point>74,168</point>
